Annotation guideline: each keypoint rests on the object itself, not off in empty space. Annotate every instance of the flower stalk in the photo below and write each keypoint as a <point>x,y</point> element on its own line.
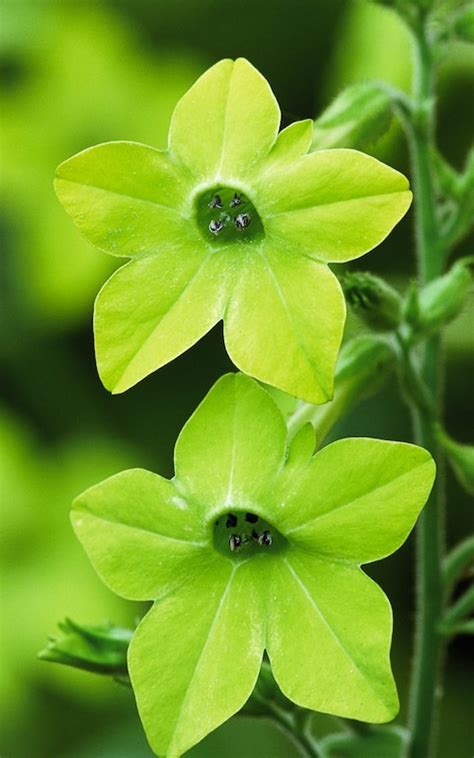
<point>426,665</point>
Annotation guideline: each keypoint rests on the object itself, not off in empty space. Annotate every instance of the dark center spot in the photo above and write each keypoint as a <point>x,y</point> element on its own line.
<point>226,215</point>
<point>240,534</point>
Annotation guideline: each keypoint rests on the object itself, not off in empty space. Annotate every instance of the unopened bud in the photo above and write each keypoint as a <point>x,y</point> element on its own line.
<point>101,649</point>
<point>357,117</point>
<point>442,299</point>
<point>375,301</point>
<point>363,364</point>
<point>464,24</point>
<point>461,458</point>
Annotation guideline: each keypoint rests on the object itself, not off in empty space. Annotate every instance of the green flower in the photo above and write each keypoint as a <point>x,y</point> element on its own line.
<point>235,222</point>
<point>255,546</point>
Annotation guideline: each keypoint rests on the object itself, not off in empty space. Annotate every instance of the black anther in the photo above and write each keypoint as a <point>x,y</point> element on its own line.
<point>234,542</point>
<point>251,518</point>
<point>231,521</point>
<point>216,202</point>
<point>216,226</point>
<point>235,201</point>
<point>242,221</point>
<point>265,539</point>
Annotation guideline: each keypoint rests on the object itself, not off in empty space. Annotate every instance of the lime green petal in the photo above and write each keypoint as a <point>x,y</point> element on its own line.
<point>232,446</point>
<point>139,534</point>
<point>195,657</point>
<point>292,143</point>
<point>357,499</point>
<point>226,122</point>
<point>301,448</point>
<point>334,204</point>
<point>124,197</point>
<point>284,322</point>
<point>153,309</point>
<point>329,639</point>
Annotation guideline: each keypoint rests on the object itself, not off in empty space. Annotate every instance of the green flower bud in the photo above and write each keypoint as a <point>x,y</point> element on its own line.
<point>461,458</point>
<point>358,116</point>
<point>442,299</point>
<point>411,306</point>
<point>363,364</point>
<point>375,301</point>
<point>464,24</point>
<point>100,649</point>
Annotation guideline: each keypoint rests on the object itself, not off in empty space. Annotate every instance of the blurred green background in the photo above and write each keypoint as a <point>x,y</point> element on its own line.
<point>77,73</point>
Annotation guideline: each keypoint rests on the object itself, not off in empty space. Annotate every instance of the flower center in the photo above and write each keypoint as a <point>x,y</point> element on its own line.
<point>224,215</point>
<point>240,534</point>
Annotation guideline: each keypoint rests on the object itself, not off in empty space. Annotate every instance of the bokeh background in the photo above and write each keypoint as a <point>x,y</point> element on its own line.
<point>77,73</point>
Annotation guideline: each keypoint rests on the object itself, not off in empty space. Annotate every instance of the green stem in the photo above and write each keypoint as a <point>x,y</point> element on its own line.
<point>289,725</point>
<point>424,685</point>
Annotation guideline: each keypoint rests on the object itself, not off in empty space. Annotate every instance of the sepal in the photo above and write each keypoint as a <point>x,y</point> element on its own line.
<point>101,649</point>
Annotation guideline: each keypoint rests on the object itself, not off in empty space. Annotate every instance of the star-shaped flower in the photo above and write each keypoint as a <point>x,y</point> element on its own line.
<point>233,221</point>
<point>255,546</point>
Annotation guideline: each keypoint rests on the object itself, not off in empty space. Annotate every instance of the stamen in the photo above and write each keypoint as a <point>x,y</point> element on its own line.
<point>236,200</point>
<point>240,534</point>
<point>216,226</point>
<point>242,221</point>
<point>234,542</point>
<point>265,539</point>
<point>216,202</point>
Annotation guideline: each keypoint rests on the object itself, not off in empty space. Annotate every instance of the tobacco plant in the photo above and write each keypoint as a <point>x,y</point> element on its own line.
<point>252,552</point>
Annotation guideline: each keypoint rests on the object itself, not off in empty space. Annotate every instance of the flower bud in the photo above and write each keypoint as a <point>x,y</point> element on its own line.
<point>375,301</point>
<point>441,300</point>
<point>464,24</point>
<point>363,364</point>
<point>100,649</point>
<point>461,458</point>
<point>358,116</point>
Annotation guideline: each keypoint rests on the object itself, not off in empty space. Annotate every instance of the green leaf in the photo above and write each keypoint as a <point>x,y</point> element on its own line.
<point>284,322</point>
<point>357,499</point>
<point>139,533</point>
<point>329,638</point>
<point>195,658</point>
<point>153,309</point>
<point>125,198</point>
<point>379,742</point>
<point>231,447</point>
<point>334,205</point>
<point>226,122</point>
